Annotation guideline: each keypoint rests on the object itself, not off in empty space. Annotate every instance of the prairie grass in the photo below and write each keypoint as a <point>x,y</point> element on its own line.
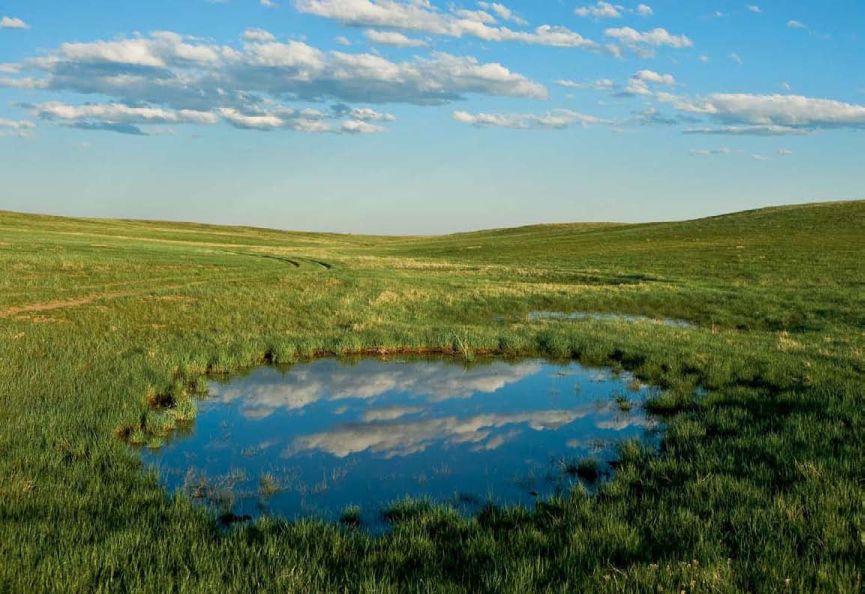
<point>757,484</point>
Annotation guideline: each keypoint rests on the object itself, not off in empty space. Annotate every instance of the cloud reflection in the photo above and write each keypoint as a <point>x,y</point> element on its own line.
<point>409,437</point>
<point>268,390</point>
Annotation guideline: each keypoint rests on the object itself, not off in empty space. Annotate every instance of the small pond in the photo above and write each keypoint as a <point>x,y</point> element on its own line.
<point>316,438</point>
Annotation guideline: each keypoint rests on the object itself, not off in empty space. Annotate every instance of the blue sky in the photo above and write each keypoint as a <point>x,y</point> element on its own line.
<point>424,116</point>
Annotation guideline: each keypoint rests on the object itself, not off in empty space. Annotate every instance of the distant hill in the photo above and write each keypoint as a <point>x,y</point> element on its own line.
<point>809,244</point>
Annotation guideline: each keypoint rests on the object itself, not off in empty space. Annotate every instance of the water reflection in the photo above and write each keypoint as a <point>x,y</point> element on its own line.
<point>330,380</point>
<point>321,436</point>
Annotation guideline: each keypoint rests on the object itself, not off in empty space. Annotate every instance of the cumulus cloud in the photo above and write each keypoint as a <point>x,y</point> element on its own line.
<point>640,82</point>
<point>754,8</point>
<point>781,114</point>
<point>250,86</point>
<point>258,35</point>
<point>601,10</point>
<point>645,10</point>
<point>650,76</point>
<point>7,22</point>
<point>360,127</point>
<point>394,38</point>
<point>423,17</point>
<point>503,12</point>
<point>556,119</point>
<point>796,25</point>
<point>644,43</point>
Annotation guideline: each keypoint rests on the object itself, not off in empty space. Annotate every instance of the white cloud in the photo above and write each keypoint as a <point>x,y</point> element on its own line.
<point>754,8</point>
<point>360,127</point>
<point>420,15</point>
<point>119,113</point>
<point>258,35</point>
<point>643,43</point>
<point>503,12</point>
<point>17,124</point>
<point>394,38</point>
<point>250,86</point>
<point>607,10</point>
<point>749,131</point>
<point>603,84</point>
<point>556,119</point>
<point>784,152</point>
<point>796,25</point>
<point>782,110</point>
<point>366,114</point>
<point>343,41</point>
<point>252,122</point>
<point>766,115</point>
<point>710,152</point>
<point>601,10</point>
<point>640,81</point>
<point>736,58</point>
<point>269,4</point>
<point>12,23</point>
<point>650,76</point>
<point>22,83</point>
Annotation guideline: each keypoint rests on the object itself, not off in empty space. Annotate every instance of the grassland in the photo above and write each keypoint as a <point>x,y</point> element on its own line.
<point>107,327</point>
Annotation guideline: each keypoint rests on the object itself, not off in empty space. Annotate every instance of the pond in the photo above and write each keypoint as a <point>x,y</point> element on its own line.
<point>318,438</point>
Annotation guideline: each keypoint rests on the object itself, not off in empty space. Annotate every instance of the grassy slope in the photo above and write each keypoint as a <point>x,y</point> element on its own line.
<point>759,482</point>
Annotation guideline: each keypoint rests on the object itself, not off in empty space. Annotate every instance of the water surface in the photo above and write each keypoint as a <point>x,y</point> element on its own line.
<point>314,439</point>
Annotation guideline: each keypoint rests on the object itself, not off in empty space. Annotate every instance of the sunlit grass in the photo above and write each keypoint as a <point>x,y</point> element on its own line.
<point>109,331</point>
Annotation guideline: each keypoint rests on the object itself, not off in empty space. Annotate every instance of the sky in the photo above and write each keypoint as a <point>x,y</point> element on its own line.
<point>428,116</point>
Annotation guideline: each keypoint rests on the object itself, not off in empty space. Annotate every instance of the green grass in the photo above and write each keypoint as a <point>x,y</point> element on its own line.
<point>108,330</point>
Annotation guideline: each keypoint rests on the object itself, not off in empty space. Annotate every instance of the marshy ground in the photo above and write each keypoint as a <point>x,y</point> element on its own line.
<point>110,329</point>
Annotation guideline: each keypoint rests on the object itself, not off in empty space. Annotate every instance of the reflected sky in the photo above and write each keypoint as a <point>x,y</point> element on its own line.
<point>314,439</point>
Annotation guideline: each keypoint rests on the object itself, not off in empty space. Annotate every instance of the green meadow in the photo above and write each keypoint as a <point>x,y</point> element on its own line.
<point>110,330</point>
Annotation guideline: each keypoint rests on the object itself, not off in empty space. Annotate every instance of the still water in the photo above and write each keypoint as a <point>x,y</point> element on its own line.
<point>316,438</point>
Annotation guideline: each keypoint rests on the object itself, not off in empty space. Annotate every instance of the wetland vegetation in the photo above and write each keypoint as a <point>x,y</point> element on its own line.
<point>110,331</point>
